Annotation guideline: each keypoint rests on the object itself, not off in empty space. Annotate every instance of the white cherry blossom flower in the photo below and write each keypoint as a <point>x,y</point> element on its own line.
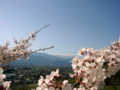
<point>82,51</point>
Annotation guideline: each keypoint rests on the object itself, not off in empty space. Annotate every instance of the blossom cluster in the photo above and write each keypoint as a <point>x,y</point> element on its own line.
<point>53,82</point>
<point>6,55</point>
<point>3,85</point>
<point>91,70</point>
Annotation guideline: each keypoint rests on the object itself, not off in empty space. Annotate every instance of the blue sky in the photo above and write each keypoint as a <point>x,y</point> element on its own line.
<point>74,24</point>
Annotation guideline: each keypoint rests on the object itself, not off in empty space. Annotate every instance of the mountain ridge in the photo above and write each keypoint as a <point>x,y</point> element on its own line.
<point>44,59</point>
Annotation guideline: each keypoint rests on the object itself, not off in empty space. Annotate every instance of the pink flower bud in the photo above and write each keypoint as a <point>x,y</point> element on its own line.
<point>82,53</point>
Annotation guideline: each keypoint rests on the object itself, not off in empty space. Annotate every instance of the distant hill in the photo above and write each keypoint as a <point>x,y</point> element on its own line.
<point>44,59</point>
<point>53,57</point>
<point>59,62</point>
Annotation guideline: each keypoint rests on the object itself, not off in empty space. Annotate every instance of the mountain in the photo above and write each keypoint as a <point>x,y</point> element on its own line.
<point>33,60</point>
<point>44,59</point>
<point>48,56</point>
<point>59,62</point>
<point>65,56</point>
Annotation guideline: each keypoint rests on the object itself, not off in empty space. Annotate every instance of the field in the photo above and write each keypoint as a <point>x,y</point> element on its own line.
<point>26,77</point>
<point>29,87</point>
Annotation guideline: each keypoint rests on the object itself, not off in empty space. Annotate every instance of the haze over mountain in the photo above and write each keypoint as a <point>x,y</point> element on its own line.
<point>54,57</point>
<point>45,59</point>
<point>65,56</point>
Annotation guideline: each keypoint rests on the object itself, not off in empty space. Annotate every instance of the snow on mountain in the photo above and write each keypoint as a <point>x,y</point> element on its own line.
<point>67,56</point>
